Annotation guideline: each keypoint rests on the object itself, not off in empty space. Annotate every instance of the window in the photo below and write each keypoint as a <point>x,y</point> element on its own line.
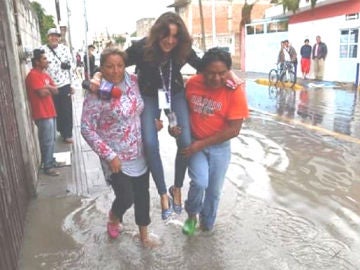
<point>250,30</point>
<point>280,26</point>
<point>259,28</point>
<point>349,40</point>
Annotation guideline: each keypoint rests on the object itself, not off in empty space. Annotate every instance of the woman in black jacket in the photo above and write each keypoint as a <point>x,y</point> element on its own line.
<point>158,59</point>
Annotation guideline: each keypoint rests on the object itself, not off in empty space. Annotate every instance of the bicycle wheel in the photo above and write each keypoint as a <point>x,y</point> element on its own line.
<point>273,91</point>
<point>273,77</point>
<point>288,79</point>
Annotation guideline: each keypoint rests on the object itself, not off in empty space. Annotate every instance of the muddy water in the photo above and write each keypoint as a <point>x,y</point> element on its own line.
<point>291,201</point>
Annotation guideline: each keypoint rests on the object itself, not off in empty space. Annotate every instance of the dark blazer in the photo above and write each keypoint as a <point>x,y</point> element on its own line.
<point>322,51</point>
<point>149,78</point>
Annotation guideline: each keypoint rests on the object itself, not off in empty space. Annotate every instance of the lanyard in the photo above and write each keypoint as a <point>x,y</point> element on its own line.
<point>168,88</point>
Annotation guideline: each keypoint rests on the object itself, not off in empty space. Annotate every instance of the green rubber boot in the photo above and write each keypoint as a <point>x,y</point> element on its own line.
<point>189,226</point>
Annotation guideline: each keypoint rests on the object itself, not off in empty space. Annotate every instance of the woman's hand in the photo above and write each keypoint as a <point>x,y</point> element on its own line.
<point>158,124</point>
<point>194,147</point>
<point>115,165</point>
<point>95,82</point>
<point>235,78</point>
<point>174,131</point>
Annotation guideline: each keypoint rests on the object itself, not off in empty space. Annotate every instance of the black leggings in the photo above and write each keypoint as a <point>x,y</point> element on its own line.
<point>129,190</point>
<point>63,105</point>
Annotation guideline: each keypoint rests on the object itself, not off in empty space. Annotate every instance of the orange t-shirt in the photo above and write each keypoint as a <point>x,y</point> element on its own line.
<point>210,109</point>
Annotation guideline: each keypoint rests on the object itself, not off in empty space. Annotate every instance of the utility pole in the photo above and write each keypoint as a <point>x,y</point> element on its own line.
<point>87,75</point>
<point>213,20</point>
<point>203,43</point>
<point>68,25</point>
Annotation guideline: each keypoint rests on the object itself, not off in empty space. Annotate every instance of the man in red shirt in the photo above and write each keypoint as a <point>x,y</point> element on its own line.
<point>40,88</point>
<point>217,110</point>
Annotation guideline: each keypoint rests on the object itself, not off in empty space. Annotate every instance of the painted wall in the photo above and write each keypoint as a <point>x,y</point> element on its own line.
<point>336,68</point>
<point>261,49</point>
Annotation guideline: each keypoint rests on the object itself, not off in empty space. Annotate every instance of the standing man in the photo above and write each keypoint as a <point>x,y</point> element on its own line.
<point>89,72</point>
<point>217,110</point>
<point>40,88</point>
<point>292,53</point>
<point>60,70</point>
<point>319,53</point>
<point>305,52</point>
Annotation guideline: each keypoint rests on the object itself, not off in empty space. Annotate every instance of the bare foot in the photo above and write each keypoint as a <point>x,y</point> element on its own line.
<point>176,191</point>
<point>151,242</point>
<point>148,240</point>
<point>164,201</point>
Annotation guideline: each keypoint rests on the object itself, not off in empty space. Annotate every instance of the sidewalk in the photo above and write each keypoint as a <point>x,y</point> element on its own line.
<point>56,197</point>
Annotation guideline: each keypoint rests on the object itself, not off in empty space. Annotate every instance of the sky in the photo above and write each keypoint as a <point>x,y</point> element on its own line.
<point>112,16</point>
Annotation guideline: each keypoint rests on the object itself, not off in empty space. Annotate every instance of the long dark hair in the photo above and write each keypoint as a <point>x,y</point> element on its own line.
<point>159,30</point>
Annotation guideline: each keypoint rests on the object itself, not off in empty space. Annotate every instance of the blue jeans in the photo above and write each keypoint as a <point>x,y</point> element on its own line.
<point>46,135</point>
<point>151,140</point>
<point>207,170</point>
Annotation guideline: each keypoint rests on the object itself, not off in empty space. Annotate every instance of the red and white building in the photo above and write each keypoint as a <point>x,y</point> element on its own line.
<point>336,21</point>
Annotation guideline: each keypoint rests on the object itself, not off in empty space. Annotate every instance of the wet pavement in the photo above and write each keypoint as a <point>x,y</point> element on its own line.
<point>291,199</point>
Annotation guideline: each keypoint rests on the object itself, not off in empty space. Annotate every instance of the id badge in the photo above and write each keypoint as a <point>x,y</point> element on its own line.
<point>163,99</point>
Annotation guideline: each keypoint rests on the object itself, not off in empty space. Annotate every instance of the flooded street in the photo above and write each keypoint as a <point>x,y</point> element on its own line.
<point>291,200</point>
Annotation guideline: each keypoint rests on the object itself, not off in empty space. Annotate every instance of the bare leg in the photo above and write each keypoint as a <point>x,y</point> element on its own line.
<point>146,240</point>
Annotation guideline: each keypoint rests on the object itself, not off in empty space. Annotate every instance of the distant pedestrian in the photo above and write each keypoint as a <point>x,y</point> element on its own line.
<point>305,52</point>
<point>319,54</point>
<point>89,60</point>
<point>61,71</point>
<point>217,111</point>
<point>78,60</point>
<point>110,123</point>
<point>283,55</point>
<point>292,53</point>
<point>40,89</point>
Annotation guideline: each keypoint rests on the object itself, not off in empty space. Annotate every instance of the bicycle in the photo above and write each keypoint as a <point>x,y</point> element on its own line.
<point>287,75</point>
<point>283,73</point>
<point>274,75</point>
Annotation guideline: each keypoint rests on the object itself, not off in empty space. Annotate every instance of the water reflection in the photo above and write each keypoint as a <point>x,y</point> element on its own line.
<point>308,110</point>
<point>320,104</point>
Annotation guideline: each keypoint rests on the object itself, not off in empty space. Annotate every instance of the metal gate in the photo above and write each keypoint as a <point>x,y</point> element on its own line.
<point>14,192</point>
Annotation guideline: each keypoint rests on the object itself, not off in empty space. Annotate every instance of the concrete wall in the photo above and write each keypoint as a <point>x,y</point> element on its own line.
<point>19,155</point>
<point>262,50</point>
<point>336,68</point>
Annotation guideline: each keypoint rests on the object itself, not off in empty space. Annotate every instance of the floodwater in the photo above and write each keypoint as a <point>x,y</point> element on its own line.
<point>291,200</point>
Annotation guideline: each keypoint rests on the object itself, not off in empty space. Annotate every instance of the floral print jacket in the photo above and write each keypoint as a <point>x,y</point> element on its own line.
<point>112,127</point>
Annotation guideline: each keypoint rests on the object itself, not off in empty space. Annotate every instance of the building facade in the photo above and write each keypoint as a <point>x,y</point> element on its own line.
<point>336,21</point>
<point>222,22</point>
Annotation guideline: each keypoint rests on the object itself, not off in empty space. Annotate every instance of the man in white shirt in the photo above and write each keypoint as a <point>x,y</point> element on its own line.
<point>61,70</point>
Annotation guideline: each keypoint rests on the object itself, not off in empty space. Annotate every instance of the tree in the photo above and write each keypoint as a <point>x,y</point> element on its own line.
<point>45,21</point>
<point>119,39</point>
<point>292,5</point>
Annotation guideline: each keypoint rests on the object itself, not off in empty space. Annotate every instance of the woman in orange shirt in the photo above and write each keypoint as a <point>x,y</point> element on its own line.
<point>217,110</point>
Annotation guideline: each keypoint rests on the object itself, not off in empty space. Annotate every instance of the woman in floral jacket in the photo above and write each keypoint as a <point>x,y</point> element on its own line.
<point>110,124</point>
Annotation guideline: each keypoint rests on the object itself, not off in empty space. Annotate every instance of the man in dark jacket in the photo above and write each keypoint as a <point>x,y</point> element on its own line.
<point>89,72</point>
<point>319,53</point>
